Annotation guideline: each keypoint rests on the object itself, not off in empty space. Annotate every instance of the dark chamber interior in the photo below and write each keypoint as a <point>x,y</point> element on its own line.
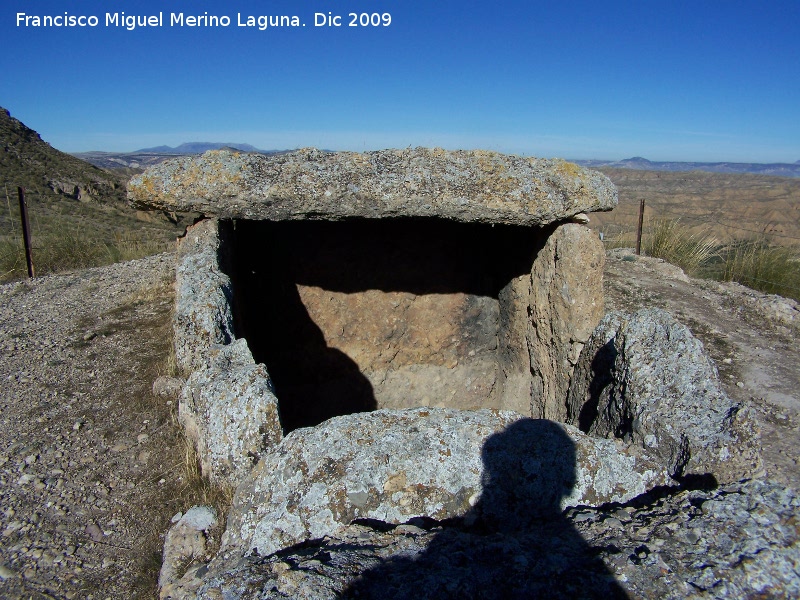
<point>267,261</point>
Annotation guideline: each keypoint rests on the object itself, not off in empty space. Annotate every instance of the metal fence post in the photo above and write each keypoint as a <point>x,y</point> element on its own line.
<point>639,228</point>
<point>26,230</point>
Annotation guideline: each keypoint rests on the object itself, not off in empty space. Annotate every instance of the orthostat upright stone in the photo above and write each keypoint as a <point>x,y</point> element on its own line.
<point>645,378</point>
<point>468,186</point>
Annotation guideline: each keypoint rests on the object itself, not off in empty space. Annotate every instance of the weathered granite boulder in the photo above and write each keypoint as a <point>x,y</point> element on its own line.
<point>393,465</point>
<point>740,541</point>
<point>566,303</point>
<point>230,413</point>
<point>203,314</point>
<point>226,405</point>
<point>644,378</point>
<point>467,186</point>
<point>185,551</point>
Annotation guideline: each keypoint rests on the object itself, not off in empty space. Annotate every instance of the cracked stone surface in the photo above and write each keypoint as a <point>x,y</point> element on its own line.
<point>393,465</point>
<point>468,186</point>
<point>740,541</point>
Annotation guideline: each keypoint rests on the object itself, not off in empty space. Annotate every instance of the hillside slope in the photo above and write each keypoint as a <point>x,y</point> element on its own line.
<point>79,214</point>
<point>28,161</point>
<point>731,206</point>
<point>639,163</point>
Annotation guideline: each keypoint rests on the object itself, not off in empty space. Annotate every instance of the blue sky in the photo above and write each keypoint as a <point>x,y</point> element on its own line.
<point>706,81</point>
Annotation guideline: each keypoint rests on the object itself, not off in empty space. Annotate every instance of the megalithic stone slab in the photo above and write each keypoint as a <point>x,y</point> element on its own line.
<point>393,465</point>
<point>646,379</point>
<point>474,186</point>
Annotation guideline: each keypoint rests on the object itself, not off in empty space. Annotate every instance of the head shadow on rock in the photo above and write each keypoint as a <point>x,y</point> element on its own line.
<point>515,542</point>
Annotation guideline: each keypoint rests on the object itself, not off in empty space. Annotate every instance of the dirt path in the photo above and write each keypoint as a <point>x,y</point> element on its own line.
<point>89,475</point>
<point>750,336</point>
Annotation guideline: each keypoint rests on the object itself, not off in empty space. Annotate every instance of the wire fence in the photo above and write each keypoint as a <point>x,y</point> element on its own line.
<point>662,212</point>
<point>667,213</point>
<point>67,234</point>
<point>763,259</point>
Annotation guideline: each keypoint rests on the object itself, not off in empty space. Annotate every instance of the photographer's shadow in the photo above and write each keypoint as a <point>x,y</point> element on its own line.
<point>515,542</point>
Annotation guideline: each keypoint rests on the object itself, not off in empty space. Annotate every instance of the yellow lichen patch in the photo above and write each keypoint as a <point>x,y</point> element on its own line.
<point>209,174</point>
<point>144,189</point>
<point>568,168</point>
<point>395,483</point>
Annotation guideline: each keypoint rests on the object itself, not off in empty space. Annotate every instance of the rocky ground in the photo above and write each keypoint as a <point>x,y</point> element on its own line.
<point>751,336</point>
<point>91,462</point>
<point>733,542</point>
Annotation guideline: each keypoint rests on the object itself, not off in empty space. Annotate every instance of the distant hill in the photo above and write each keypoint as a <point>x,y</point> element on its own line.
<point>642,164</point>
<point>28,161</point>
<point>730,205</point>
<point>78,213</point>
<point>130,163</point>
<point>197,148</point>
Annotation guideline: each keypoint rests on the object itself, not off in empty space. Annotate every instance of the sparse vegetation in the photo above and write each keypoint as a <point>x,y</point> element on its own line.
<point>757,264</point>
<point>67,234</point>
<point>752,262</point>
<point>731,205</point>
<point>618,239</point>
<point>672,241</point>
<point>28,161</point>
<point>197,489</point>
<point>63,248</point>
<point>78,213</point>
<point>177,476</point>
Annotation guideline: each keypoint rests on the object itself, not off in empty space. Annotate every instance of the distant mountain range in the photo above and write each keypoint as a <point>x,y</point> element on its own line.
<point>642,164</point>
<point>198,148</point>
<point>62,174</point>
<point>139,160</point>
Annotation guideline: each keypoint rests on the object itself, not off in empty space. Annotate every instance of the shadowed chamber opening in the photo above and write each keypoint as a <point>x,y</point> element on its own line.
<point>363,314</point>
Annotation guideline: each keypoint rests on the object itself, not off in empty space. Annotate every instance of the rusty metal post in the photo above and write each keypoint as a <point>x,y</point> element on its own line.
<point>26,230</point>
<point>639,228</point>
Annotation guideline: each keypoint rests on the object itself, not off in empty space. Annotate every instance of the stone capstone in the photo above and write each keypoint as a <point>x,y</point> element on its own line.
<point>467,186</point>
<point>392,465</point>
<point>646,379</point>
<point>739,541</point>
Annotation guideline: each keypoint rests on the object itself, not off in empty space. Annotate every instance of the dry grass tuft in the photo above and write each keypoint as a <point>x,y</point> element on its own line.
<point>63,249</point>
<point>757,264</point>
<point>672,241</point>
<point>197,488</point>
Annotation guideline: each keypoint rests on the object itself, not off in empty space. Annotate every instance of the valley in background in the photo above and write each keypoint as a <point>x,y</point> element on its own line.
<point>708,218</point>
